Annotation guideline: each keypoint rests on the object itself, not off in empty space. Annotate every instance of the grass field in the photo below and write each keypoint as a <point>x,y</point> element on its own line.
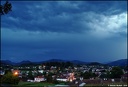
<point>35,84</point>
<point>119,84</point>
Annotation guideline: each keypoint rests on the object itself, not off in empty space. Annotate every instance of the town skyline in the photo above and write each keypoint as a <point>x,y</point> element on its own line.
<point>64,74</point>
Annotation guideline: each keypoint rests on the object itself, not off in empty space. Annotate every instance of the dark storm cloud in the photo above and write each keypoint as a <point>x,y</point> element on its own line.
<point>83,30</point>
<point>61,16</point>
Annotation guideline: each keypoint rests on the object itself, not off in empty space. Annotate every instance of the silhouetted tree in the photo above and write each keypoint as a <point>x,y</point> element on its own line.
<point>30,76</point>
<point>116,72</point>
<point>49,78</point>
<point>1,10</point>
<point>9,78</point>
<point>4,9</point>
<point>86,75</point>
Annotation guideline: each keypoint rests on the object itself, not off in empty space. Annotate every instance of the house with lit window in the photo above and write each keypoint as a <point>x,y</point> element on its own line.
<point>66,77</point>
<point>71,77</point>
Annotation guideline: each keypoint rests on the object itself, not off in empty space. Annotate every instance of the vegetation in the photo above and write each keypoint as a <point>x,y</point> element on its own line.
<point>4,9</point>
<point>9,78</point>
<point>34,84</point>
<point>30,76</point>
<point>49,78</point>
<point>119,84</point>
<point>116,72</point>
<point>21,83</point>
<point>88,75</point>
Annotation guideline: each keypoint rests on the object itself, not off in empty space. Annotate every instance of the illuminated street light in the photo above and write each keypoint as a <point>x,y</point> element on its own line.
<point>16,73</point>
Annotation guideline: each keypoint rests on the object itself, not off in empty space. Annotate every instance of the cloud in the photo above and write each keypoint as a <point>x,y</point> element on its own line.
<point>62,29</point>
<point>107,26</point>
<point>28,44</point>
<point>58,16</point>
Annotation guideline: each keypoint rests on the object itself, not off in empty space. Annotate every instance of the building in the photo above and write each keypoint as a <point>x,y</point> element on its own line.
<point>39,79</point>
<point>62,79</point>
<point>2,72</point>
<point>71,77</point>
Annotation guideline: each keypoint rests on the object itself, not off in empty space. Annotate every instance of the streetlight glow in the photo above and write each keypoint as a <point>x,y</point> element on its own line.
<point>15,73</point>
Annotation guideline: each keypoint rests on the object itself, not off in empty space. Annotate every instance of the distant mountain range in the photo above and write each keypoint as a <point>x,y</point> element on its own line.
<point>121,62</point>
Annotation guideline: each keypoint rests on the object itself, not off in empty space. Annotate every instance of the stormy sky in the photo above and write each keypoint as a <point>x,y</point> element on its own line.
<point>68,30</point>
